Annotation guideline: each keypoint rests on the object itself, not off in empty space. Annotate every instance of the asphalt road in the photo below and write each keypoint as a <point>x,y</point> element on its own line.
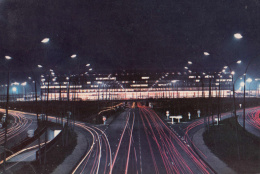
<point>139,141</point>
<point>252,120</point>
<point>17,130</point>
<point>142,143</point>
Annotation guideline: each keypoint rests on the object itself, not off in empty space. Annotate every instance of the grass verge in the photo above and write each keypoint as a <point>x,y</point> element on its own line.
<point>237,148</point>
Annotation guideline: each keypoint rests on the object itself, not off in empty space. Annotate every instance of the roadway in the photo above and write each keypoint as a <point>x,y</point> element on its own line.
<point>142,143</point>
<point>252,120</point>
<point>17,130</point>
<point>139,141</point>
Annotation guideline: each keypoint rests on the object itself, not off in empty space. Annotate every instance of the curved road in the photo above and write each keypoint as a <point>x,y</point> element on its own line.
<point>140,142</point>
<point>17,130</point>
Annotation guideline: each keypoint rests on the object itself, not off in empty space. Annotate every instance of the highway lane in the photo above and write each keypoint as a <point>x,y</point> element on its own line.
<point>252,120</point>
<point>142,143</point>
<point>17,130</point>
<point>185,131</point>
<point>97,158</point>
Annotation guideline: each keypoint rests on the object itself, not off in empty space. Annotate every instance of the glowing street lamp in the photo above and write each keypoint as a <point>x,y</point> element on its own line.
<point>249,80</point>
<point>206,54</point>
<point>14,89</point>
<point>39,66</point>
<point>6,112</point>
<point>189,62</point>
<point>73,56</point>
<point>238,36</point>
<point>45,40</point>
<point>24,83</point>
<point>8,57</point>
<point>239,61</point>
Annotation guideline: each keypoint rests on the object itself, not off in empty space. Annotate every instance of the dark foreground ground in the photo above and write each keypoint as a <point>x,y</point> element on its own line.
<point>236,147</point>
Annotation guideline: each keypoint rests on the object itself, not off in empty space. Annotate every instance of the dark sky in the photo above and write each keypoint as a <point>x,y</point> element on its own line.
<point>132,35</point>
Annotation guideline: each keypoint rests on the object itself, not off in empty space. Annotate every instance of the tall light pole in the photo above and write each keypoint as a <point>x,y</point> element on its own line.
<point>228,65</point>
<point>244,100</point>
<point>45,41</point>
<point>6,108</point>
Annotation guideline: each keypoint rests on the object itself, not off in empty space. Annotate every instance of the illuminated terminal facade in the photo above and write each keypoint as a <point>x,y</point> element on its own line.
<point>126,86</point>
<point>129,86</point>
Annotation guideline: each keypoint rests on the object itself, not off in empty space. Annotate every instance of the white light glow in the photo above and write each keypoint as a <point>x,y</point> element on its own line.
<point>14,89</point>
<point>39,66</point>
<point>8,57</point>
<point>73,56</point>
<point>239,61</point>
<point>88,64</point>
<point>206,54</point>
<point>145,78</point>
<point>249,80</point>
<point>238,36</point>
<point>189,62</point>
<point>45,40</point>
<point>24,83</point>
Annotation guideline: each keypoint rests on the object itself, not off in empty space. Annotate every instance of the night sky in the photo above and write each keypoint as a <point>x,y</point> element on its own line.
<point>131,35</point>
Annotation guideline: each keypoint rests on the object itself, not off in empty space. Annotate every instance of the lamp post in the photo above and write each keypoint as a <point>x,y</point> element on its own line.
<point>45,41</point>
<point>6,109</point>
<point>244,101</point>
<point>199,75</point>
<point>228,65</point>
<point>36,107</point>
<point>219,96</point>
